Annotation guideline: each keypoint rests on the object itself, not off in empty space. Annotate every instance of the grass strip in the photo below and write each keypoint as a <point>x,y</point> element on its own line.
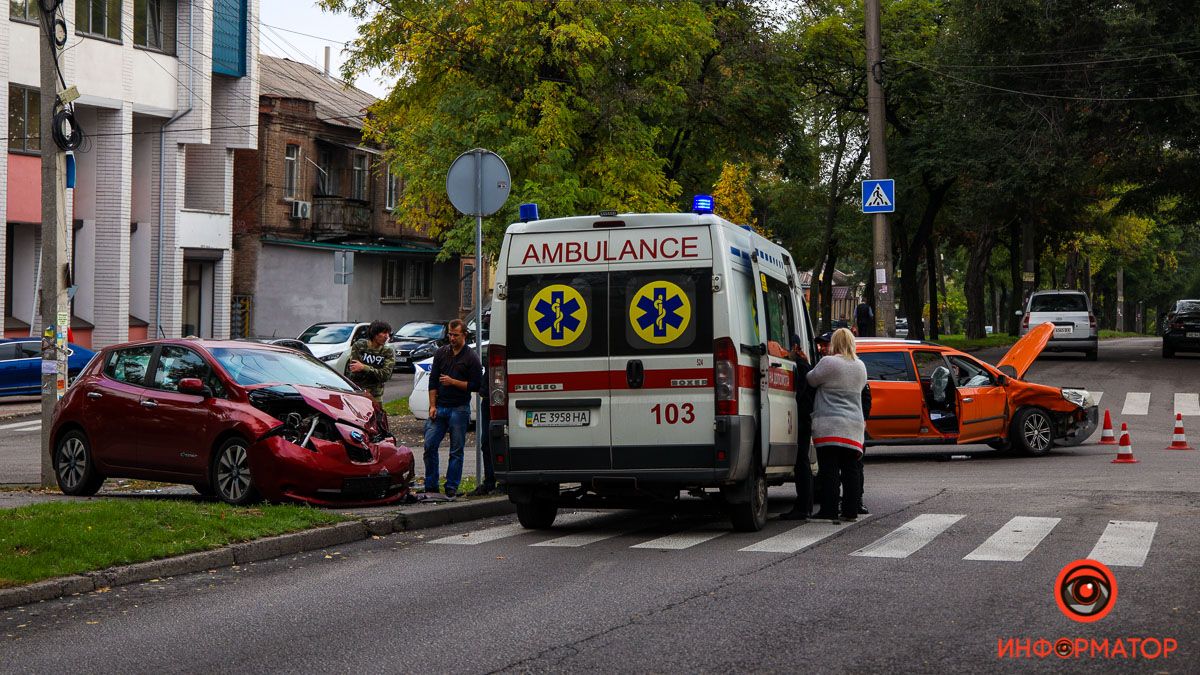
<point>1106,334</point>
<point>397,407</point>
<point>962,343</point>
<point>43,541</point>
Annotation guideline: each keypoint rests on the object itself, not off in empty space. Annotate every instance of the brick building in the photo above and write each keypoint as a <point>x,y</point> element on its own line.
<point>313,200</point>
<point>167,88</point>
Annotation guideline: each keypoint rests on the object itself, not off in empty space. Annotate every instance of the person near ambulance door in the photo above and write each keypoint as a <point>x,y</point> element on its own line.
<point>485,442</point>
<point>453,377</point>
<point>804,405</point>
<point>864,320</point>
<point>371,360</point>
<point>838,426</point>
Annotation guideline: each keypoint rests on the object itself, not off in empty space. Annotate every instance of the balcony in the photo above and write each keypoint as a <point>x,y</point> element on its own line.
<point>340,217</point>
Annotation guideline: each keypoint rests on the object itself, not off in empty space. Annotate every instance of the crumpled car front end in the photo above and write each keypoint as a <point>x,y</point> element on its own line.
<point>327,448</point>
<point>1078,424</point>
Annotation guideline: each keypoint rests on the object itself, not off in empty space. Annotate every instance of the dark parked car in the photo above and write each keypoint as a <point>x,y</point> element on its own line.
<point>417,341</point>
<point>1181,329</point>
<point>290,343</point>
<point>21,365</point>
<point>239,420</point>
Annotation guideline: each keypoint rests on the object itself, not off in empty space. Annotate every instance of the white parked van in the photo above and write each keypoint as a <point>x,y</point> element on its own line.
<point>637,355</point>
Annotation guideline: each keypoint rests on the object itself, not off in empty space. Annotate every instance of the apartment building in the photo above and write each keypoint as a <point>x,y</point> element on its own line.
<point>168,91</point>
<point>315,238</point>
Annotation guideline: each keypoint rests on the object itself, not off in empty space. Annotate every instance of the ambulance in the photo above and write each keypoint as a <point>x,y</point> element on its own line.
<point>635,356</point>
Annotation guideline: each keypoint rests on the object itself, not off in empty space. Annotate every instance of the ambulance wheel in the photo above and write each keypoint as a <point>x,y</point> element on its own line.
<point>749,512</point>
<point>538,514</point>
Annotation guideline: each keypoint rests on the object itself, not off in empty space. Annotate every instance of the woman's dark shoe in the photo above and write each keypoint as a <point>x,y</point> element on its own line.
<point>819,515</point>
<point>795,514</point>
<point>850,518</point>
<point>862,511</point>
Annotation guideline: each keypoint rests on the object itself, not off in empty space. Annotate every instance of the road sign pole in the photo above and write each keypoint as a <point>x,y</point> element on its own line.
<point>478,281</point>
<point>885,308</point>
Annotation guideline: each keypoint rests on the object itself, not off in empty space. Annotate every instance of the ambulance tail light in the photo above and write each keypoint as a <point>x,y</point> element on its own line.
<point>725,376</point>
<point>497,383</point>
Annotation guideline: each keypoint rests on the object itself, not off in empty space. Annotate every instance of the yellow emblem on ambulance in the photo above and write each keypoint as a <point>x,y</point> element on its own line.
<point>660,312</point>
<point>557,315</point>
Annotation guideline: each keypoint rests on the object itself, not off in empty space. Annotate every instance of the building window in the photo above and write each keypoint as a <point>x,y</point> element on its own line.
<point>101,18</point>
<point>327,176</point>
<point>420,280</point>
<point>467,294</point>
<point>393,190</point>
<point>393,280</point>
<point>23,10</point>
<point>154,24</point>
<point>291,170</point>
<point>359,185</point>
<point>24,119</point>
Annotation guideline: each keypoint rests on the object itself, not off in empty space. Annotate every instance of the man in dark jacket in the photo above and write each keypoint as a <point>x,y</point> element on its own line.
<point>372,360</point>
<point>864,319</point>
<point>804,405</point>
<point>454,376</point>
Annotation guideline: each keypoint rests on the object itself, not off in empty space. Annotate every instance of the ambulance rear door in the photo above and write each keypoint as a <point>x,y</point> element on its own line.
<point>557,322</point>
<point>780,320</point>
<point>661,337</point>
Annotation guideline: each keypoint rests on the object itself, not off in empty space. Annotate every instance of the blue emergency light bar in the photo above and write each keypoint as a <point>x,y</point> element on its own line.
<point>528,212</point>
<point>702,204</point>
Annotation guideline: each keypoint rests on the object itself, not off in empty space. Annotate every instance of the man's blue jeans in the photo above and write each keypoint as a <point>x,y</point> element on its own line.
<point>456,420</point>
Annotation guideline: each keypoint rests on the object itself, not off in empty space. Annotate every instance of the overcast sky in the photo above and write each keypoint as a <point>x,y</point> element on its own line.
<point>321,29</point>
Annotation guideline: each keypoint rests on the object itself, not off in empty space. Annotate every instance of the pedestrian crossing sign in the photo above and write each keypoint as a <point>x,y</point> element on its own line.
<point>879,196</point>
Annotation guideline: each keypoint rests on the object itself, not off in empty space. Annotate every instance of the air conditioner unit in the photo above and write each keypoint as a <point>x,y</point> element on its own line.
<point>300,210</point>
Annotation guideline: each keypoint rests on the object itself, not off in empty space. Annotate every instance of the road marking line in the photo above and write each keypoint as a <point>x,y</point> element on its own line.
<point>583,538</point>
<point>910,537</point>
<point>16,425</point>
<point>503,531</point>
<point>1096,396</point>
<point>1014,541</point>
<point>681,540</point>
<point>1136,403</point>
<point>1125,543</point>
<point>798,538</point>
<point>1187,404</point>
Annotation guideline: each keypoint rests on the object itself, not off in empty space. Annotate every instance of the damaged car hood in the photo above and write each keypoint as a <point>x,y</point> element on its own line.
<point>353,408</point>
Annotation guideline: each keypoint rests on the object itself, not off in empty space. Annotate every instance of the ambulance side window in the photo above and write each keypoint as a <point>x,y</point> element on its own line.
<point>781,323</point>
<point>664,311</point>
<point>558,314</point>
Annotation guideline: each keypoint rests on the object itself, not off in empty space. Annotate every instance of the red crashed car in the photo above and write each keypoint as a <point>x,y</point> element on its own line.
<point>237,420</point>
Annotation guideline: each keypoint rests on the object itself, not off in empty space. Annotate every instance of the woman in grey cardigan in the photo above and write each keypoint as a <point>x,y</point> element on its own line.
<point>838,426</point>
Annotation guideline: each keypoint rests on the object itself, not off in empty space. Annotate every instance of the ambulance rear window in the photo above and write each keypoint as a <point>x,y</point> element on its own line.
<point>557,314</point>
<point>666,311</point>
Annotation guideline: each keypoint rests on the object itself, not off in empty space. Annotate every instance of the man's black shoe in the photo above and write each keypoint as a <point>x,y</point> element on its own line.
<point>482,490</point>
<point>832,517</point>
<point>862,511</point>
<point>451,494</point>
<point>850,518</point>
<point>795,514</point>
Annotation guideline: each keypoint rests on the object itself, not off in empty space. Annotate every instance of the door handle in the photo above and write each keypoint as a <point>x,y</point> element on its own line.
<point>635,374</point>
<point>94,394</point>
<point>968,400</point>
<point>149,404</point>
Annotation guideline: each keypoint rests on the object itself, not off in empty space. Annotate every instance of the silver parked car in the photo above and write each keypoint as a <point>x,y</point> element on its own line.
<point>1071,313</point>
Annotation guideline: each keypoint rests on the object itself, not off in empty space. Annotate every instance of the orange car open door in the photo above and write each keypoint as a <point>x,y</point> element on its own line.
<point>982,402</point>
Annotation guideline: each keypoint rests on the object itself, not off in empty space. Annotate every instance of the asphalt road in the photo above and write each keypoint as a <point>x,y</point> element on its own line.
<point>635,592</point>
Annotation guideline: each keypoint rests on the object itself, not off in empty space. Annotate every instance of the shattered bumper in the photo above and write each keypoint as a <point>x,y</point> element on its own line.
<point>326,476</point>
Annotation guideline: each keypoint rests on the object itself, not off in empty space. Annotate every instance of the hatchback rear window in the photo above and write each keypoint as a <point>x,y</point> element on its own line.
<point>1059,302</point>
<point>888,366</point>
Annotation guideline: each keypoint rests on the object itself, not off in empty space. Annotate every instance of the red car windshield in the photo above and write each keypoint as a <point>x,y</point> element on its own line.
<point>249,367</point>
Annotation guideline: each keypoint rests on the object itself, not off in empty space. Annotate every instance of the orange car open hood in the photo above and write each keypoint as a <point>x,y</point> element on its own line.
<point>1022,354</point>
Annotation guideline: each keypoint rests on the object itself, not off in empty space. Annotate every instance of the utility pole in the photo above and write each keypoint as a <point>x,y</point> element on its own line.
<point>55,317</point>
<point>1120,298</point>
<point>885,306</point>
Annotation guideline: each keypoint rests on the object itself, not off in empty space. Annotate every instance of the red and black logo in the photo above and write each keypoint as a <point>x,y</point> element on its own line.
<point>1085,590</point>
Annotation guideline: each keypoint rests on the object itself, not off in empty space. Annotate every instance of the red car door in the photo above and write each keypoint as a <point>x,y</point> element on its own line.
<point>175,426</point>
<point>113,412</point>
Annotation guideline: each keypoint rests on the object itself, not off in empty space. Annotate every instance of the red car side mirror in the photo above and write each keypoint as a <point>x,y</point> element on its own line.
<point>193,385</point>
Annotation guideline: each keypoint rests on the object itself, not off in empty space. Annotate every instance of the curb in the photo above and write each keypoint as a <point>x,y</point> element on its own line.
<point>254,551</point>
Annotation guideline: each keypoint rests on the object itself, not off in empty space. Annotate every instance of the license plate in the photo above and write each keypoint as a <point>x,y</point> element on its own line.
<point>1064,330</point>
<point>367,487</point>
<point>558,418</point>
<point>1193,335</point>
<point>401,359</point>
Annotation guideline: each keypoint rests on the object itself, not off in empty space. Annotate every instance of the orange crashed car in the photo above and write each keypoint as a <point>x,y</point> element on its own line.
<point>927,393</point>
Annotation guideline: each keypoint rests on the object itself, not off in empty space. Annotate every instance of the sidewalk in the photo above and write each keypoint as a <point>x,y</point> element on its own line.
<point>19,406</point>
<point>366,523</point>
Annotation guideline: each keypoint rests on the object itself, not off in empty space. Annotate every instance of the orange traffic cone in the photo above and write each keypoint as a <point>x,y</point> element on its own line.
<point>1180,440</point>
<point>1125,452</point>
<point>1107,437</point>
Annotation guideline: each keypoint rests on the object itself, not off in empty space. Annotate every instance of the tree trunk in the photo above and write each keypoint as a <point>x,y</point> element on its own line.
<point>1071,274</point>
<point>827,287</point>
<point>973,286</point>
<point>1017,298</point>
<point>931,264</point>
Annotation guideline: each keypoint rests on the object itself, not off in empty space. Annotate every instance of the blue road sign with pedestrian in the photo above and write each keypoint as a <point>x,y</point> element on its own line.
<point>879,196</point>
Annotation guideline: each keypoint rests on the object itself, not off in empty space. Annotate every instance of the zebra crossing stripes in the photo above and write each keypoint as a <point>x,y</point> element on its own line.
<point>910,537</point>
<point>1014,541</point>
<point>681,540</point>
<point>476,537</point>
<point>579,539</point>
<point>798,538</point>
<point>1136,403</point>
<point>1187,404</point>
<point>1125,543</point>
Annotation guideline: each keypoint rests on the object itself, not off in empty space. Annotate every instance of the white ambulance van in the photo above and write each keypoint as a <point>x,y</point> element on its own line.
<point>637,355</point>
